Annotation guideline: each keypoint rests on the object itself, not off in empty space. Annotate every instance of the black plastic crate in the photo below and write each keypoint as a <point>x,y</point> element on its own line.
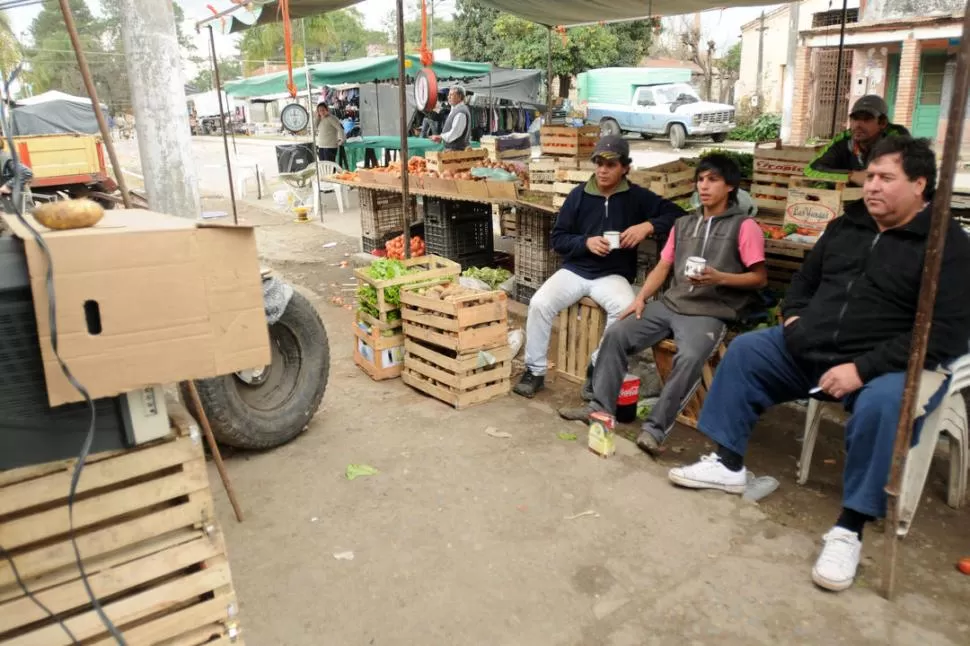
<point>459,239</point>
<point>369,243</point>
<point>455,210</point>
<point>524,293</point>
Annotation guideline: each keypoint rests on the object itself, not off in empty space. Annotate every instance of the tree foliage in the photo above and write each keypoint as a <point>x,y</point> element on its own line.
<point>229,69</point>
<point>10,51</point>
<point>475,38</point>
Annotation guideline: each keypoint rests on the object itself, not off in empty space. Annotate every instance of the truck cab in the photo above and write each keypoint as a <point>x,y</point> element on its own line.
<point>670,108</point>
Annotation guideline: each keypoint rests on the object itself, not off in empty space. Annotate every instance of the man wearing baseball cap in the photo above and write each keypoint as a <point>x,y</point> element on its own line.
<point>592,265</point>
<point>846,158</point>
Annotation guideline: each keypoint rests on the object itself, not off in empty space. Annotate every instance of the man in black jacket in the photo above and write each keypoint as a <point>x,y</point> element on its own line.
<point>591,266</point>
<point>848,322</point>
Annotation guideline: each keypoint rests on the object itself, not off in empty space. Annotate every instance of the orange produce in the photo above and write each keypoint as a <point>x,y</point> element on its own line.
<point>964,565</point>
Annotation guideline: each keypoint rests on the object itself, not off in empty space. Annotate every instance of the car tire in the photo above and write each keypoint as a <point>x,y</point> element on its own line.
<point>278,408</point>
<point>609,127</point>
<point>719,138</point>
<point>678,136</point>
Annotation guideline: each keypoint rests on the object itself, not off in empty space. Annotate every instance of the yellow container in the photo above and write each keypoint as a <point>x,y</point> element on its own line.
<point>602,440</point>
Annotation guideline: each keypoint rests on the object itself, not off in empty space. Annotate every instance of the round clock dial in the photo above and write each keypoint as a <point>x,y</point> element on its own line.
<point>295,117</point>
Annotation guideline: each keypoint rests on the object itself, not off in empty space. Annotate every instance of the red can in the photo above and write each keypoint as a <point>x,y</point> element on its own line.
<point>626,403</point>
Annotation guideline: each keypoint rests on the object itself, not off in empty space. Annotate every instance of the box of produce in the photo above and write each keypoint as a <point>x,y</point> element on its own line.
<point>379,285</point>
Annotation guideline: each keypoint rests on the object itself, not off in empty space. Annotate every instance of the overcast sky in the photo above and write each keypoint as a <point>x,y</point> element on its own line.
<point>724,25</point>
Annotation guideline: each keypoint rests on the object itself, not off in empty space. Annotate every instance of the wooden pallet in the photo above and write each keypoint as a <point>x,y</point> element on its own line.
<point>152,550</point>
<point>580,331</point>
<point>671,180</point>
<point>427,269</point>
<point>461,380</point>
<point>567,141</point>
<point>377,354</point>
<point>461,324</point>
<point>456,161</point>
<point>663,356</point>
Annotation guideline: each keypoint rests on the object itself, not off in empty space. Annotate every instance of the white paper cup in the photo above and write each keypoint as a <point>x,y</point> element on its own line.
<point>695,266</point>
<point>613,237</point>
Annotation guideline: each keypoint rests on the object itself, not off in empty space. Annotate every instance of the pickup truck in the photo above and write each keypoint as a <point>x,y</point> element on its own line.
<point>671,110</point>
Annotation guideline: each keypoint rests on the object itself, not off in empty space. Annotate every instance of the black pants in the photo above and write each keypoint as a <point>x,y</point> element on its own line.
<point>327,154</point>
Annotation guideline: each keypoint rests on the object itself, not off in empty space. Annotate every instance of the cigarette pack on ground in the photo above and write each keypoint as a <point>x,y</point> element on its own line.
<point>602,441</point>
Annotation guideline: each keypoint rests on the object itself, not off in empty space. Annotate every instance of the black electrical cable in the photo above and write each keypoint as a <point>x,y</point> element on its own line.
<point>17,195</point>
<point>30,595</point>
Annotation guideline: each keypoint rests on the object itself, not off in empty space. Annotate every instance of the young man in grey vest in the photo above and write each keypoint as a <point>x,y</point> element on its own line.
<point>456,133</point>
<point>717,256</point>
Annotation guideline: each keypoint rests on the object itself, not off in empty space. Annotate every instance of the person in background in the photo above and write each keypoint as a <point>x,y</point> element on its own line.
<point>456,133</point>
<point>695,310</point>
<point>848,323</point>
<point>591,265</point>
<point>846,157</point>
<point>330,134</point>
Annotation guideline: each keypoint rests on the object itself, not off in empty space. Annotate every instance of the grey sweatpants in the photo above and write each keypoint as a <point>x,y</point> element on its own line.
<point>697,337</point>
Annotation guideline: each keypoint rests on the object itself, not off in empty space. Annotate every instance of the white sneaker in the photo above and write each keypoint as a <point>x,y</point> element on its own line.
<point>709,473</point>
<point>837,564</point>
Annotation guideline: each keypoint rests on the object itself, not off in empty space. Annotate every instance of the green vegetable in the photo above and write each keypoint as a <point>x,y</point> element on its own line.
<point>491,277</point>
<point>790,229</point>
<point>745,161</point>
<point>382,270</point>
<point>569,437</point>
<point>643,411</point>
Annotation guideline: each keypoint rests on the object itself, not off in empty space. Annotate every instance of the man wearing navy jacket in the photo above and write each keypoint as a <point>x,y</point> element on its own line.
<point>607,202</point>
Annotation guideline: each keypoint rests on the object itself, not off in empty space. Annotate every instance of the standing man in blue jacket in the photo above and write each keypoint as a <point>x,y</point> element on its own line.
<point>607,202</point>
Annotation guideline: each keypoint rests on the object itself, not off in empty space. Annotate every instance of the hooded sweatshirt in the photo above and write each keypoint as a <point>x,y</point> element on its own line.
<point>587,213</point>
<point>857,291</point>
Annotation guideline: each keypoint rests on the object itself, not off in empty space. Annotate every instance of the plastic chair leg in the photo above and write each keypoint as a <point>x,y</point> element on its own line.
<point>813,420</point>
<point>956,427</point>
<point>917,467</point>
<point>339,192</point>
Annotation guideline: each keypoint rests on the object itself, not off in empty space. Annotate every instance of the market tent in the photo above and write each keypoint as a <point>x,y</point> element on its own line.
<point>251,14</point>
<point>359,70</point>
<point>521,86</point>
<point>53,113</point>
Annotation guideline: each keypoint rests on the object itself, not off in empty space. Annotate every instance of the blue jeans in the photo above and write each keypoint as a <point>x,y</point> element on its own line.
<point>758,372</point>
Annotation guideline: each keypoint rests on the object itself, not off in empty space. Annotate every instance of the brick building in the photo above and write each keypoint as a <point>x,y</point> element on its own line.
<point>902,50</point>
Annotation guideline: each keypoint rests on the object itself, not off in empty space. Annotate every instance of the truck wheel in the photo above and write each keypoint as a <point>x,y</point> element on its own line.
<point>609,127</point>
<point>678,136</point>
<point>262,409</point>
<point>719,138</point>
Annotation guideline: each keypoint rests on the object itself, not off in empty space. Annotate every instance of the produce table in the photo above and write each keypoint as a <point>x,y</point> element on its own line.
<point>414,190</point>
<point>364,150</point>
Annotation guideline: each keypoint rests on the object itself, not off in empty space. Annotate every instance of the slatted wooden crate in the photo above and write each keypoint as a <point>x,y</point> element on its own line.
<point>507,219</point>
<point>456,161</point>
<point>783,259</point>
<point>153,553</point>
<point>499,149</point>
<point>377,353</point>
<point>776,164</point>
<point>426,269</point>
<point>663,356</point>
<point>477,321</point>
<point>460,379</point>
<point>580,331</point>
<point>567,141</point>
<point>671,180</point>
<point>812,203</point>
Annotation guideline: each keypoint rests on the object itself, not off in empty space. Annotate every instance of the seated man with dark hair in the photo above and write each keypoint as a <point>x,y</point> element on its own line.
<point>694,311</point>
<point>848,322</point>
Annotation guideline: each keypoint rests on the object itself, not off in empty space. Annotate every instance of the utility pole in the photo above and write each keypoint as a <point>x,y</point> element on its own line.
<point>158,97</point>
<point>759,81</point>
<point>788,98</point>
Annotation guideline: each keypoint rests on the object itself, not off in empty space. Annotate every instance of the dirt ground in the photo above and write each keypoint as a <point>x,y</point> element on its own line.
<point>465,538</point>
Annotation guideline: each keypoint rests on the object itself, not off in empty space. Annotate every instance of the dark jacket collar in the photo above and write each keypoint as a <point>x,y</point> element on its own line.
<point>858,214</point>
<point>593,189</point>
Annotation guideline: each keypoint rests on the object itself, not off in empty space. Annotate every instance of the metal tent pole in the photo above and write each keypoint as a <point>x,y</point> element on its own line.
<point>403,101</point>
<point>838,69</point>
<point>927,297</point>
<point>489,129</point>
<point>82,63</point>
<point>222,120</point>
<point>318,200</point>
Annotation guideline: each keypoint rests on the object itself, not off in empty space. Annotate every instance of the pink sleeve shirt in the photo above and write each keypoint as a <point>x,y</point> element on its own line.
<point>751,244</point>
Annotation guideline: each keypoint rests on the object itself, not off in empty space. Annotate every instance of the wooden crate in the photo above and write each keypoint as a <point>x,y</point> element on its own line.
<point>496,152</point>
<point>783,259</point>
<point>477,321</point>
<point>580,330</point>
<point>770,198</point>
<point>811,207</point>
<point>427,269</point>
<point>663,357</point>
<point>671,180</point>
<point>379,355</point>
<point>456,161</point>
<point>145,524</point>
<point>567,141</point>
<point>507,219</point>
<point>776,164</point>
<point>564,188</point>
<point>459,379</point>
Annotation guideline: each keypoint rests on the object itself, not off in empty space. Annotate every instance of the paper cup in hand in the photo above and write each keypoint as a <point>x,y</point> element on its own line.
<point>613,237</point>
<point>695,267</point>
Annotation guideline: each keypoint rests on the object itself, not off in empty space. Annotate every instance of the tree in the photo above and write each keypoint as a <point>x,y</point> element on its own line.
<point>729,70</point>
<point>634,40</point>
<point>441,31</point>
<point>573,51</point>
<point>474,33</point>
<point>10,52</point>
<point>229,69</point>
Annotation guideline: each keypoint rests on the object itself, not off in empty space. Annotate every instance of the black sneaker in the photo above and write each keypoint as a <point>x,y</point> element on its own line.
<point>587,392</point>
<point>529,385</point>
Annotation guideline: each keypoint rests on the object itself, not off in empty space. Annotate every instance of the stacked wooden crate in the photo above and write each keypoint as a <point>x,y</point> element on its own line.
<point>672,180</point>
<point>456,343</point>
<point>545,173</point>
<point>458,161</point>
<point>774,167</point>
<point>581,327</point>
<point>507,148</point>
<point>379,347</point>
<point>812,203</point>
<point>153,553</point>
<point>566,141</point>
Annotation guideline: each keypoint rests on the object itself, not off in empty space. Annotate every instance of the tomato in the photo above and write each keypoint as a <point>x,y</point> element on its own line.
<point>964,565</point>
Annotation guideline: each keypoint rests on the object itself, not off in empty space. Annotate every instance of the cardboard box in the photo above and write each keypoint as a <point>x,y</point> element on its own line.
<point>145,298</point>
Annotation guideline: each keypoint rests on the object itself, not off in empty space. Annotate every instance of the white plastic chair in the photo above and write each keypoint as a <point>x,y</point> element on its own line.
<point>950,416</point>
<point>244,169</point>
<point>327,168</point>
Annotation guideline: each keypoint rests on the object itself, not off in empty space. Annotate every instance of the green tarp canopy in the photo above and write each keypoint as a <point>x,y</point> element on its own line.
<point>360,70</point>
